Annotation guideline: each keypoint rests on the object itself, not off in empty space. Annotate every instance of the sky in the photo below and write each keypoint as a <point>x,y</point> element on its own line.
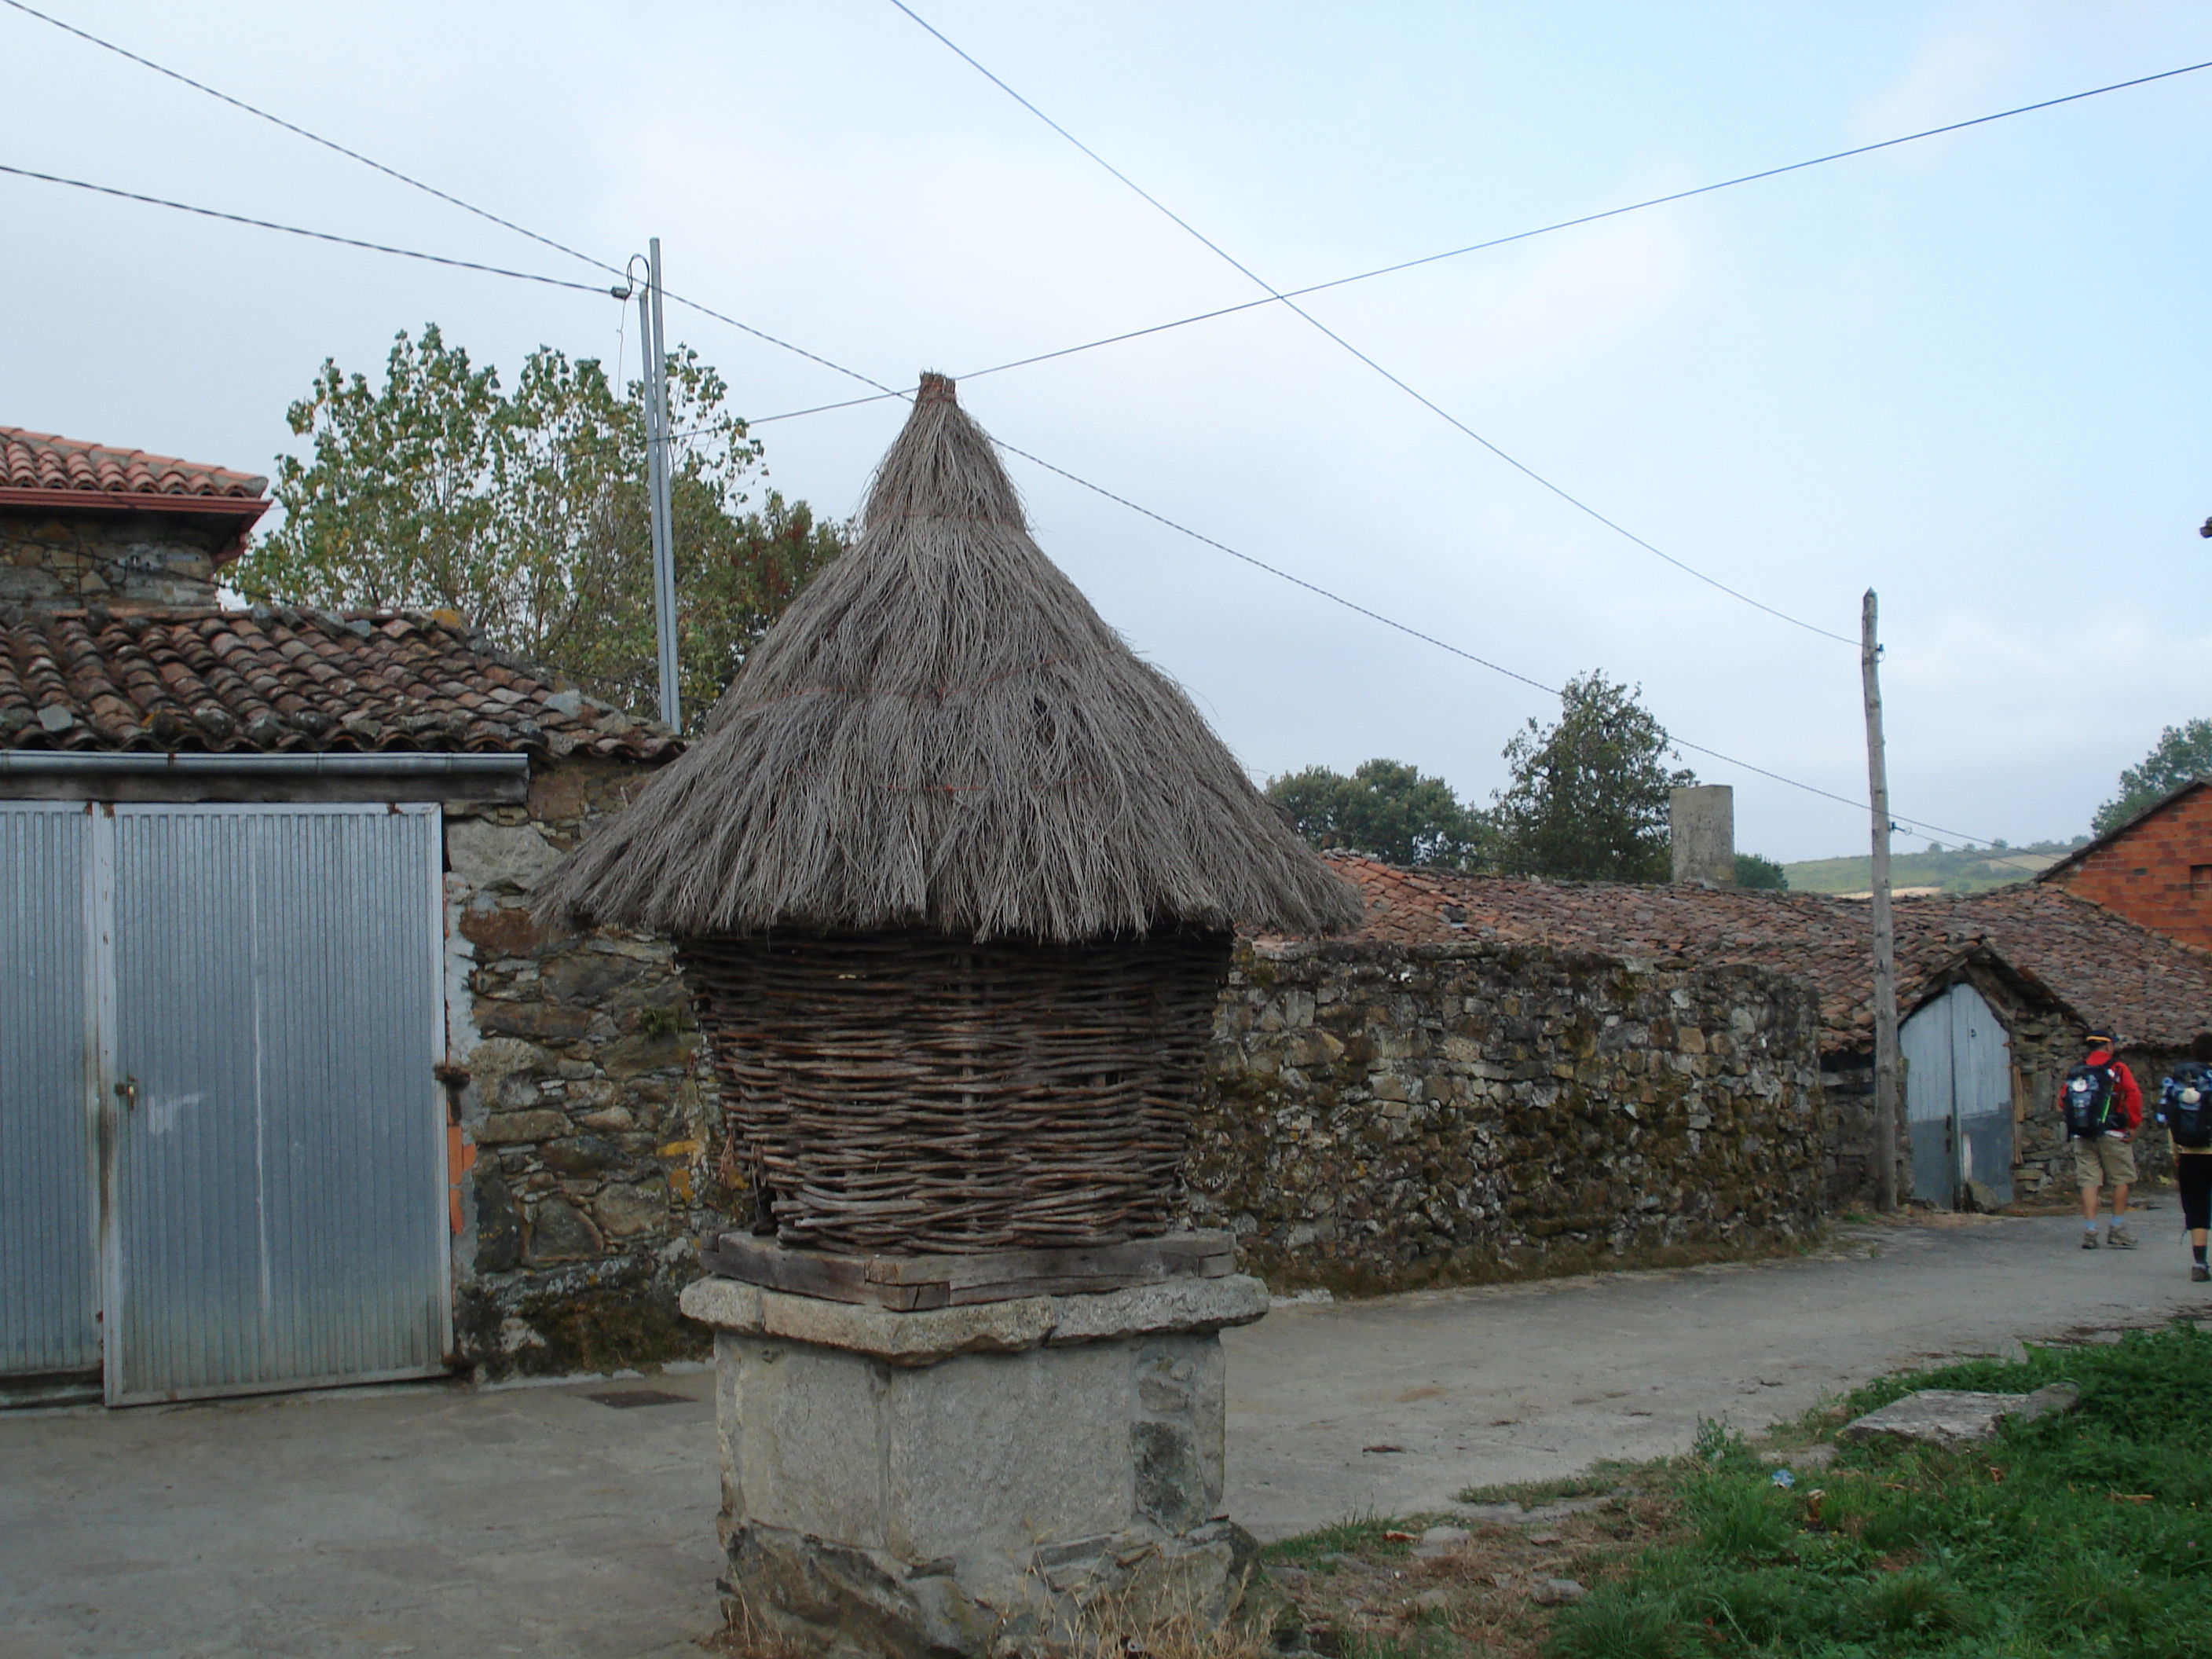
<point>1969,372</point>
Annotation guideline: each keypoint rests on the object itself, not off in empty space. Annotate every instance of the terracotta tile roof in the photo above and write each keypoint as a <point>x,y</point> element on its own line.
<point>2094,964</point>
<point>272,679</point>
<point>40,460</point>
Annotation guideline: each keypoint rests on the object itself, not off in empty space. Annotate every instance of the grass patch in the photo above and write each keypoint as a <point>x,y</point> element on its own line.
<point>1358,1535</point>
<point>2083,1535</point>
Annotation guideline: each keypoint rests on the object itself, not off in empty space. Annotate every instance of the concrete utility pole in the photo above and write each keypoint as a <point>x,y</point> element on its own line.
<point>1886,1065</point>
<point>656,453</point>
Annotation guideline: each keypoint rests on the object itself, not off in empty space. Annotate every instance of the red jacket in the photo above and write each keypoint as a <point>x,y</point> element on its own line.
<point>2127,1094</point>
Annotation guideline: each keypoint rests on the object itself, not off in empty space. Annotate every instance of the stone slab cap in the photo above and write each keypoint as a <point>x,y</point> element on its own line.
<point>1957,1417</point>
<point>924,1336</point>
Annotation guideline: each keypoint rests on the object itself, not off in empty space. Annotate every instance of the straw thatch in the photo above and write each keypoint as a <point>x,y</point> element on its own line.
<point>943,733</point>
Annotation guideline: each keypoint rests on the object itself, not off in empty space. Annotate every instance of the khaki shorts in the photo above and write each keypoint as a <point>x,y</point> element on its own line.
<point>2101,1161</point>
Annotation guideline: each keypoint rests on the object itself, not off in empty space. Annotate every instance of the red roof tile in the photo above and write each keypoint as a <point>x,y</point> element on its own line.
<point>2093,963</point>
<point>40,460</point>
<point>279,679</point>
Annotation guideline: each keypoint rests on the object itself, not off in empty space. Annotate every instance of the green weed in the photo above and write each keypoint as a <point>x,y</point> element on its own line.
<point>2083,1534</point>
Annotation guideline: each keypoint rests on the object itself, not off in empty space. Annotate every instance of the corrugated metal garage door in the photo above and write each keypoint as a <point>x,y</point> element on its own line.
<point>278,1201</point>
<point>241,1006</point>
<point>49,1229</point>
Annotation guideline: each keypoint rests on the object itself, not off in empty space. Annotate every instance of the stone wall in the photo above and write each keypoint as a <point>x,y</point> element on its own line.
<point>579,1086</point>
<point>2045,1041</point>
<point>119,558</point>
<point>1847,1089</point>
<point>1378,1117</point>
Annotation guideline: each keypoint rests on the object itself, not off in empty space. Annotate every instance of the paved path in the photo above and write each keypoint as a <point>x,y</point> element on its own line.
<point>432,1520</point>
<point>437,1521</point>
<point>1525,1382</point>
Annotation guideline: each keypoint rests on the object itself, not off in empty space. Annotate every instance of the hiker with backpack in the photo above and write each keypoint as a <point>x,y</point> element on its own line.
<point>2102,1105</point>
<point>2184,1106</point>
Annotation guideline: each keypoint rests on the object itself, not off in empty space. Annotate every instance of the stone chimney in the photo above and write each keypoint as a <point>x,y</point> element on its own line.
<point>83,524</point>
<point>1701,828</point>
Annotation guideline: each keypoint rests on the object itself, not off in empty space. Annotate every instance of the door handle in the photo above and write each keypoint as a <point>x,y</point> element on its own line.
<point>127,1092</point>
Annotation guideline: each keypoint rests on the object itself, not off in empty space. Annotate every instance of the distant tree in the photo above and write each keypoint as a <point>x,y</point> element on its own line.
<point>1754,870</point>
<point>2181,753</point>
<point>1386,809</point>
<point>1588,798</point>
<point>527,512</point>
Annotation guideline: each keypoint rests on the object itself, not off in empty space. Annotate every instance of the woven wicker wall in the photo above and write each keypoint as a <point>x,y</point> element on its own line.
<point>910,1091</point>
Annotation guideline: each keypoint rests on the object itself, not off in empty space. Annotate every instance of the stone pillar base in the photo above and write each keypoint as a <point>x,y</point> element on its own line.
<point>976,1480</point>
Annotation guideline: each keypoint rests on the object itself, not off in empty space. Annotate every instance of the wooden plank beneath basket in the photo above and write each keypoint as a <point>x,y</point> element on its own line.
<point>908,1283</point>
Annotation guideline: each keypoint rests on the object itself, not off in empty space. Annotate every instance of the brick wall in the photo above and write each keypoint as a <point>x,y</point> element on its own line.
<point>2144,875</point>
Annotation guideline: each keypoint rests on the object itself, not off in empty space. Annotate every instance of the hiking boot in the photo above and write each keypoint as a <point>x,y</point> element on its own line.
<point>2199,1272</point>
<point>2089,1239</point>
<point>2118,1238</point>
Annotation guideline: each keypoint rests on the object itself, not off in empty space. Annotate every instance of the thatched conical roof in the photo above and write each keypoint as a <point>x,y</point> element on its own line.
<point>942,732</point>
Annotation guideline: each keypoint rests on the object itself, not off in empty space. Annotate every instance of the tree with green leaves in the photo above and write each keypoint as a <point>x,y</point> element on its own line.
<point>1752,870</point>
<point>1387,810</point>
<point>2182,752</point>
<point>1589,795</point>
<point>527,512</point>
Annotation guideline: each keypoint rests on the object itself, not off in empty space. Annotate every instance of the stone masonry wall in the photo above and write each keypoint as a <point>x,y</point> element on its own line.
<point>2044,1040</point>
<point>122,558</point>
<point>579,1089</point>
<point>1378,1117</point>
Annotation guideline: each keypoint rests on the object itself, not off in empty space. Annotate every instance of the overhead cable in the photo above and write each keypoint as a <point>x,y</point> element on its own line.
<point>1411,632</point>
<point>298,230</point>
<point>1300,312</point>
<point>312,137</point>
<point>881,391</point>
<point>1289,293</point>
<point>413,183</point>
<point>1276,296</point>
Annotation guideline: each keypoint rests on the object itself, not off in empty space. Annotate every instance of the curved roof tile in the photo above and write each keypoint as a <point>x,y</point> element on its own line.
<point>272,679</point>
<point>2096,965</point>
<point>44,460</point>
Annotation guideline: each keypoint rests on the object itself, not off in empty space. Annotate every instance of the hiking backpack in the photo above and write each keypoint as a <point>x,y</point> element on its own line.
<point>2089,1093</point>
<point>2189,1121</point>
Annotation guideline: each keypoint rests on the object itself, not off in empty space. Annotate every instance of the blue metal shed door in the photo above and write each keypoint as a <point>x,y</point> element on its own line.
<point>1958,1096</point>
<point>268,978</point>
<point>49,1233</point>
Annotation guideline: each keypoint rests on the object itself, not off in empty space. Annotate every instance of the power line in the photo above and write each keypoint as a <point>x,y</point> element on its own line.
<point>1300,312</point>
<point>1276,296</point>
<point>298,230</point>
<point>413,183</point>
<point>881,391</point>
<point>1611,212</point>
<point>312,137</point>
<point>1411,632</point>
<point>1242,305</point>
<point>1038,460</point>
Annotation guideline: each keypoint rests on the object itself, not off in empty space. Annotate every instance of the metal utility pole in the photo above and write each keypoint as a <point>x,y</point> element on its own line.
<point>656,454</point>
<point>1886,1065</point>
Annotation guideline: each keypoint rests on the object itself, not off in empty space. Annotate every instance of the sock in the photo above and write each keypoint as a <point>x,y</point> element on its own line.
<point>2089,1226</point>
<point>2196,1253</point>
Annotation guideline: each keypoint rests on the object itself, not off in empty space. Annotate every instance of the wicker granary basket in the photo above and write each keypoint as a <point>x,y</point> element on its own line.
<point>911,1092</point>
